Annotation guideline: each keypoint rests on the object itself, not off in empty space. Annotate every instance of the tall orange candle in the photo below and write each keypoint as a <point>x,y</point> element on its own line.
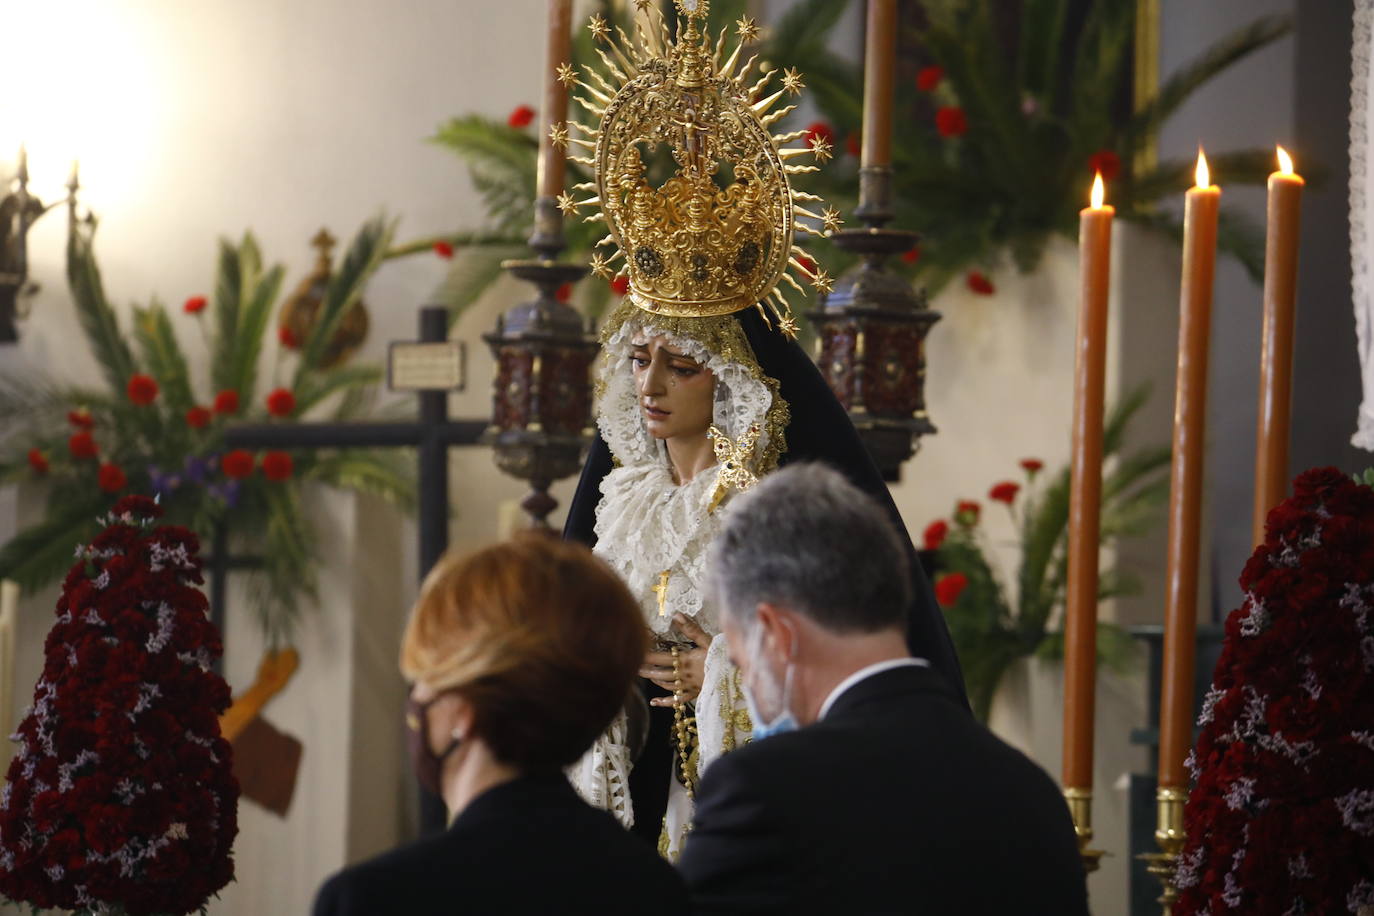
<point>1085,491</point>
<point>555,107</point>
<point>1276,347</point>
<point>1185,483</point>
<point>880,46</point>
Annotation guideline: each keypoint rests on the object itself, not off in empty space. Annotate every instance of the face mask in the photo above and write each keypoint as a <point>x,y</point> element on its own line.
<point>428,766</point>
<point>784,721</point>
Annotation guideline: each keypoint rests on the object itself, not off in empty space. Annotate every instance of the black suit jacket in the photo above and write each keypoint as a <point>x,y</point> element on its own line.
<point>896,802</point>
<point>527,846</point>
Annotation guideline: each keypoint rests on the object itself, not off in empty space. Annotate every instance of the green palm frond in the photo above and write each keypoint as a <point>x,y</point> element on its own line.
<point>253,322</point>
<point>98,320</point>
<point>317,387</point>
<point>227,302</point>
<point>471,274</point>
<point>389,475</point>
<point>1187,79</point>
<point>288,565</point>
<point>365,253</point>
<point>43,552</point>
<point>162,354</point>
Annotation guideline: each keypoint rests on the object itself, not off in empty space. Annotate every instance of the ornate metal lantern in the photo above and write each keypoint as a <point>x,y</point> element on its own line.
<point>19,210</point>
<point>542,403</point>
<point>872,329</point>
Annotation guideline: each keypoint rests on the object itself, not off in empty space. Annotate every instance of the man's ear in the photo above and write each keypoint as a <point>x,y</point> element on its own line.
<point>779,629</point>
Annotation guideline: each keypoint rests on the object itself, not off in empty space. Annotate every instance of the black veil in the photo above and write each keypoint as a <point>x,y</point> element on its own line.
<point>819,430</point>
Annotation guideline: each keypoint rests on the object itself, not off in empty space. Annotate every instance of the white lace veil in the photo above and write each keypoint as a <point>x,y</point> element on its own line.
<point>743,396</point>
<point>1362,210</point>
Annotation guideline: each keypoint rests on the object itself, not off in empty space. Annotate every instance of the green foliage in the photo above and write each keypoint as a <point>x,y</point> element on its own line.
<point>991,629</point>
<point>1042,88</point>
<point>159,451</point>
<point>1041,82</point>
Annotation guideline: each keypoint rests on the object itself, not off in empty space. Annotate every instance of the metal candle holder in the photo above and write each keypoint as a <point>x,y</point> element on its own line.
<point>872,329</point>
<point>542,403</point>
<point>1171,837</point>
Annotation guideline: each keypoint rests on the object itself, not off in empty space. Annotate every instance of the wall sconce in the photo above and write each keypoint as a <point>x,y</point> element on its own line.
<point>19,210</point>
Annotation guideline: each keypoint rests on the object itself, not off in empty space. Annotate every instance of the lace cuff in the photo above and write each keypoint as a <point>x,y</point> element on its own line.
<point>722,715</point>
<point>602,776</point>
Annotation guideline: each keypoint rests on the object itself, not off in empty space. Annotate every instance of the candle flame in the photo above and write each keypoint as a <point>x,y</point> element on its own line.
<point>1202,177</point>
<point>1098,193</point>
<point>1285,161</point>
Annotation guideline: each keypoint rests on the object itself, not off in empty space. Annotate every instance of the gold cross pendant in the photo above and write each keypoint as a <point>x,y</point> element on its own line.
<point>661,589</point>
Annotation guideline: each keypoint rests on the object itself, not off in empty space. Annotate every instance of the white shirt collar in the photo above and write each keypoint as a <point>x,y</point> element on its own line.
<point>865,673</point>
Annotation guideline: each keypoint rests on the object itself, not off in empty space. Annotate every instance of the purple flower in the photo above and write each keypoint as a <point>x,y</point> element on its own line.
<point>197,468</point>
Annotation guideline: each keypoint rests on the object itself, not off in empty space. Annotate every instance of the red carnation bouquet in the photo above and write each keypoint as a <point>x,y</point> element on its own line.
<point>121,797</point>
<point>1281,814</point>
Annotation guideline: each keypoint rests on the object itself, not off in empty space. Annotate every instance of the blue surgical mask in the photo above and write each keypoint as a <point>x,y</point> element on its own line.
<point>784,721</point>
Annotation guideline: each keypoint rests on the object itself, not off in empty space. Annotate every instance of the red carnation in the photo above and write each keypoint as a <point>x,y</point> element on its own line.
<point>142,389</point>
<point>112,478</point>
<point>852,146</point>
<point>951,122</point>
<point>38,461</point>
<point>443,249</point>
<point>1004,492</point>
<point>521,116</point>
<point>1032,466</point>
<point>194,305</point>
<point>621,285</point>
<point>822,130</point>
<point>950,587</point>
<point>82,445</point>
<point>806,263</point>
<point>287,338</point>
<point>927,78</point>
<point>227,401</point>
<point>935,534</point>
<point>237,464</point>
<point>280,403</point>
<point>966,512</point>
<point>980,284</point>
<point>563,293</point>
<point>1105,162</point>
<point>81,419</point>
<point>197,417</point>
<point>911,256</point>
<point>277,466</point>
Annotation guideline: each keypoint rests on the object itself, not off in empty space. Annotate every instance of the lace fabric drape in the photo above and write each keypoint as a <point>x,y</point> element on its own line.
<point>1362,212</point>
<point>645,525</point>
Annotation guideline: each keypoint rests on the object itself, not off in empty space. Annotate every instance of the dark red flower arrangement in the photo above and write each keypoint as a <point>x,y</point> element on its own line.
<point>1281,814</point>
<point>121,794</point>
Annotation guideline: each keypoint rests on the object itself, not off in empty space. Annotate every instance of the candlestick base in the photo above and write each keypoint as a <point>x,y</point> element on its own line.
<point>1170,836</point>
<point>1081,810</point>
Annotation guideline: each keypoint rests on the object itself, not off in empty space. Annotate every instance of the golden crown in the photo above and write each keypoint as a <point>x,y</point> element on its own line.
<point>717,236</point>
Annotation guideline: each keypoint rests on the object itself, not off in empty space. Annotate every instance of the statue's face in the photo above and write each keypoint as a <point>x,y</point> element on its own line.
<point>676,393</point>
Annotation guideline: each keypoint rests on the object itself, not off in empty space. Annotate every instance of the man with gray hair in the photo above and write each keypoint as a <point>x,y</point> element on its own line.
<point>868,787</point>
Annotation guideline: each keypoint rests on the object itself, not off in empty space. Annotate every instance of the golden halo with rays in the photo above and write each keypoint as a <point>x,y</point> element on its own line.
<point>718,236</point>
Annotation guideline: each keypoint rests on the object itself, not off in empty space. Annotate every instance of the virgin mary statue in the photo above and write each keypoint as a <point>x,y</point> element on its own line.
<point>701,387</point>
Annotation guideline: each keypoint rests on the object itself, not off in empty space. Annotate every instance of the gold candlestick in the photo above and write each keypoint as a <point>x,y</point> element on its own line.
<point>1170,836</point>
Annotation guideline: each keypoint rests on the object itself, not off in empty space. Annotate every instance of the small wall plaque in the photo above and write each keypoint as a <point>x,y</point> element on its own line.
<point>440,366</point>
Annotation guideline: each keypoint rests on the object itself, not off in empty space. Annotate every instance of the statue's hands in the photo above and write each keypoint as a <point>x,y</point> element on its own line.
<point>658,666</point>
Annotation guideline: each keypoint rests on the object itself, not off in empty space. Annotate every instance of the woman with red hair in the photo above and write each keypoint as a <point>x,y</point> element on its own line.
<point>520,655</point>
